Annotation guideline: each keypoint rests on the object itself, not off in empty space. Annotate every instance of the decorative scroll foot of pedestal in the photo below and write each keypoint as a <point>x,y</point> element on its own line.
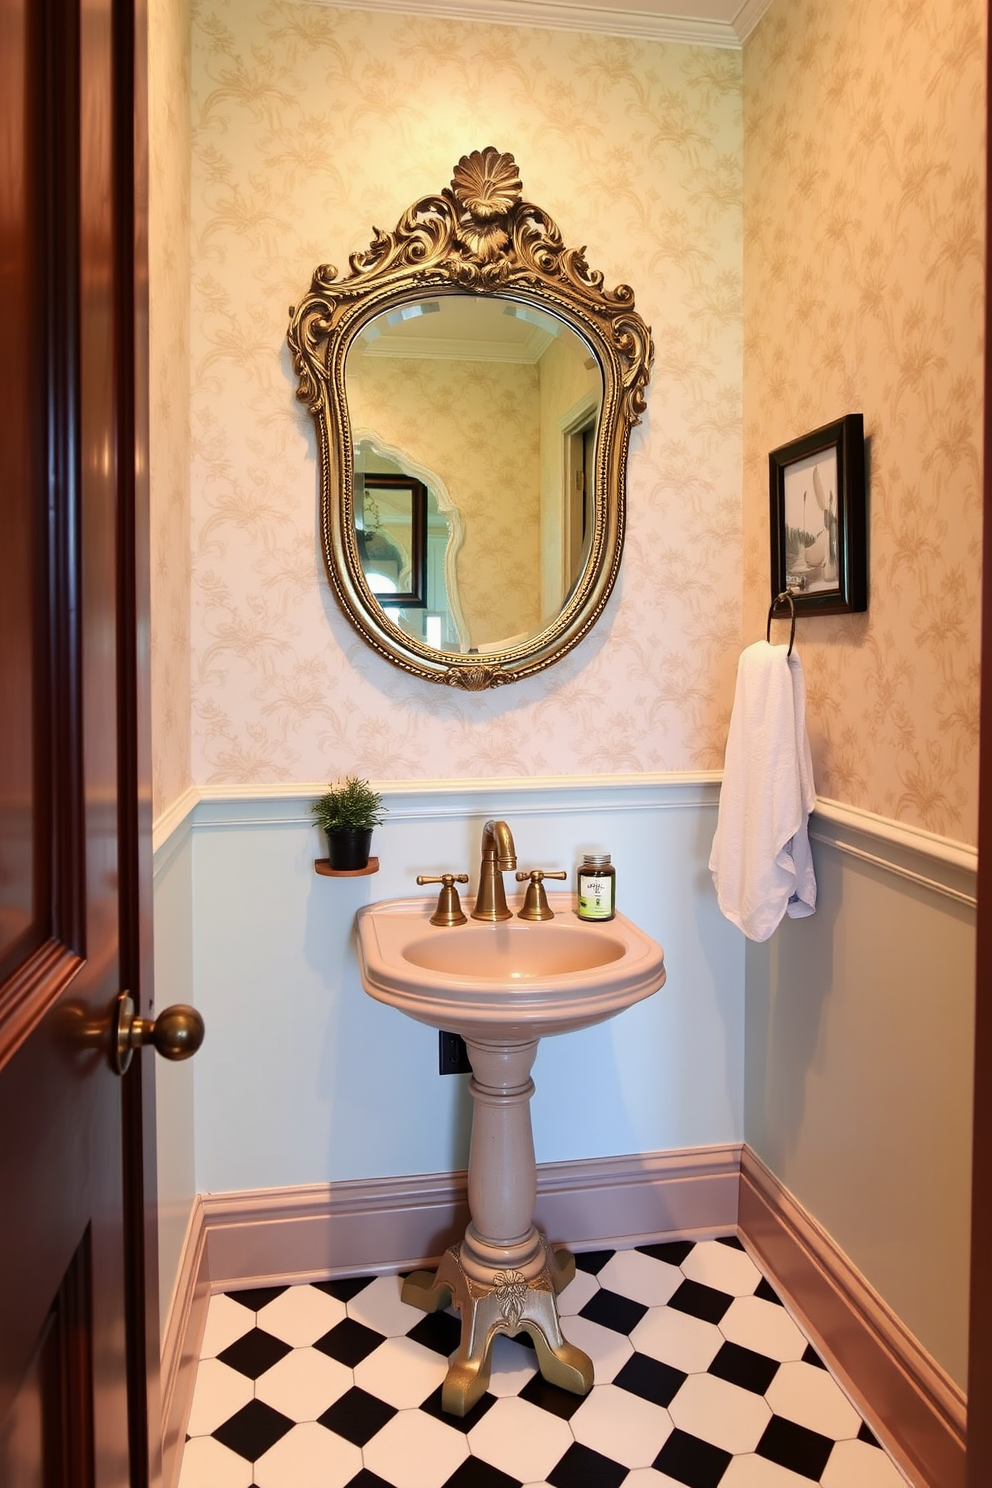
<point>509,1305</point>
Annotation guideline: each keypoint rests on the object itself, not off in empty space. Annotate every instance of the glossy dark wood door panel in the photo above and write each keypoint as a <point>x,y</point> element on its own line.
<point>72,1332</point>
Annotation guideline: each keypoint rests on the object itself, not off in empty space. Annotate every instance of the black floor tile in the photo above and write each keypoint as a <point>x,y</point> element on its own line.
<point>432,1405</point>
<point>689,1460</point>
<point>540,1392</point>
<point>345,1287</point>
<point>700,1301</point>
<point>592,1261</point>
<point>650,1379</point>
<point>867,1435</point>
<point>812,1357</point>
<point>438,1331</point>
<point>357,1416</point>
<point>255,1298</point>
<point>744,1367</point>
<point>672,1251</point>
<point>581,1467</point>
<point>731,1240</point>
<point>349,1342</point>
<point>254,1429</point>
<point>366,1479</point>
<point>766,1293</point>
<point>254,1352</point>
<point>795,1447</point>
<point>474,1473</point>
<point>611,1310</point>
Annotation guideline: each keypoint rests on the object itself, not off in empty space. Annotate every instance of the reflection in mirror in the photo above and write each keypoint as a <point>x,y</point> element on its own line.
<point>391,532</point>
<point>501,400</point>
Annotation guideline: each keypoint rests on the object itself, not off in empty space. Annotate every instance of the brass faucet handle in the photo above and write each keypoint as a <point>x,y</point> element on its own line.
<point>536,906</point>
<point>449,907</point>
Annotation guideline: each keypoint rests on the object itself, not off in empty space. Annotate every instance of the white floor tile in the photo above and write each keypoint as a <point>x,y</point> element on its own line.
<point>678,1339</point>
<point>763,1326</point>
<point>206,1464</point>
<point>621,1426</point>
<point>512,1366</point>
<point>303,1384</point>
<point>608,1350</point>
<point>809,1396</point>
<point>219,1393</point>
<point>226,1321</point>
<point>401,1372</point>
<point>300,1315</point>
<point>722,1266</point>
<point>577,1294</point>
<point>378,1306</point>
<point>642,1277</point>
<point>758,1472</point>
<point>520,1439</point>
<point>720,1412</point>
<point>308,1457</point>
<point>649,1477</point>
<point>855,1464</point>
<point>414,1450</point>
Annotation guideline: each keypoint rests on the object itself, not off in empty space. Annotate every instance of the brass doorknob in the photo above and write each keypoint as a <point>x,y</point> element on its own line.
<point>176,1033</point>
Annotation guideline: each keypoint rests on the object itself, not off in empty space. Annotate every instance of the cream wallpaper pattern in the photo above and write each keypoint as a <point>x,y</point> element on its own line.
<point>864,281</point>
<point>489,464</point>
<point>169,447</point>
<point>311,124</point>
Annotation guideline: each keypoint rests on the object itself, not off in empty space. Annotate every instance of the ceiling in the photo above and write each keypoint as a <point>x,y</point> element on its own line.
<point>725,23</point>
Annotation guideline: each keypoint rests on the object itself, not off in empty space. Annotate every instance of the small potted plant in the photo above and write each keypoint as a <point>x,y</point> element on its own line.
<point>347,812</point>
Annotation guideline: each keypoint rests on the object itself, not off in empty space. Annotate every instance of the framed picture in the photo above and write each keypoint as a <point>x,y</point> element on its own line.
<point>391,531</point>
<point>819,530</point>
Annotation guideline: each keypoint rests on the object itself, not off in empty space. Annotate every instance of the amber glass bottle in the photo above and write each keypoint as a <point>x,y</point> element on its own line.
<point>597,887</point>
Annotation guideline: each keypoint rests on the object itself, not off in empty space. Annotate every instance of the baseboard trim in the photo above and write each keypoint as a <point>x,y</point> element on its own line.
<point>181,1339</point>
<point>271,1236</point>
<point>916,1410</point>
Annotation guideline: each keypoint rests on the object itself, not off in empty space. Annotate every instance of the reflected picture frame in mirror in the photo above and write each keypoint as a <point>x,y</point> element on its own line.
<point>477,239</point>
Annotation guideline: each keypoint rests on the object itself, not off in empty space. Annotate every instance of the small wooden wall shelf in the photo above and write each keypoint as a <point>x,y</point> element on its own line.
<point>323,867</point>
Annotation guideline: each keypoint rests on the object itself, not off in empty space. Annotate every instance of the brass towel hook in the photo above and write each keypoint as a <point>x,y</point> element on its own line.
<point>787,596</point>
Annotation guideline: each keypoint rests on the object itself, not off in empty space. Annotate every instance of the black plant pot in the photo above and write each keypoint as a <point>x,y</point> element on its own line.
<point>349,850</point>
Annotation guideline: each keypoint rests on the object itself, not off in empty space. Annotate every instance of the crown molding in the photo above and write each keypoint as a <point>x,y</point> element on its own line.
<point>715,29</point>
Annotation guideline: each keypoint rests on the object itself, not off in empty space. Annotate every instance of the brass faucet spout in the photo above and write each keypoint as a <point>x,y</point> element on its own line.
<point>498,856</point>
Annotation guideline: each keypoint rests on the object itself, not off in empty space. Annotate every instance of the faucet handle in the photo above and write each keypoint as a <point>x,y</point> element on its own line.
<point>536,906</point>
<point>449,907</point>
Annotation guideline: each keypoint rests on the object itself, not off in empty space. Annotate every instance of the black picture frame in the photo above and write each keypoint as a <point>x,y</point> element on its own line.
<point>398,546</point>
<point>819,527</point>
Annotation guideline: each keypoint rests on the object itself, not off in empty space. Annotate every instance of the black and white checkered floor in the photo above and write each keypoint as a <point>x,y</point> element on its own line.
<point>702,1379</point>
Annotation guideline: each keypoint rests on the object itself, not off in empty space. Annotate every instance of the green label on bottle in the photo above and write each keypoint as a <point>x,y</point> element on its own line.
<point>596,896</point>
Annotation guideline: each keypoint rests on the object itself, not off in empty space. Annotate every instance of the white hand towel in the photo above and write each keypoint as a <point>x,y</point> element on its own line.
<point>761,862</point>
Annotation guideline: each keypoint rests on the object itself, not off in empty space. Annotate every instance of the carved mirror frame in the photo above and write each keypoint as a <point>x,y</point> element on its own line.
<point>478,236</point>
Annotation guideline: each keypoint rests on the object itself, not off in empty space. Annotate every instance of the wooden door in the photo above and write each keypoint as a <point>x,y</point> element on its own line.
<point>74,858</point>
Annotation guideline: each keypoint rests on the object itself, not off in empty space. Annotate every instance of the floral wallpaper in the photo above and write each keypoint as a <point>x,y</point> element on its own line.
<point>169,447</point>
<point>864,173</point>
<point>488,461</point>
<point>310,125</point>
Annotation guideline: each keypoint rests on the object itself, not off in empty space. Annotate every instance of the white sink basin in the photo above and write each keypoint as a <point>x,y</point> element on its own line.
<point>512,980</point>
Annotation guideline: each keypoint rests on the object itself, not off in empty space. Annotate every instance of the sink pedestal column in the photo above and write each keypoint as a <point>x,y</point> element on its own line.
<point>503,1277</point>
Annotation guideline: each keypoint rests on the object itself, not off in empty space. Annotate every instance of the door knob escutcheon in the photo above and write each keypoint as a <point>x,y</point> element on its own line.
<point>176,1033</point>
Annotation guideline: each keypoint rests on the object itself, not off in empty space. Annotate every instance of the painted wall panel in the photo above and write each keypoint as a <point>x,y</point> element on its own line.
<point>173,890</point>
<point>859,1084</point>
<point>308,1079</point>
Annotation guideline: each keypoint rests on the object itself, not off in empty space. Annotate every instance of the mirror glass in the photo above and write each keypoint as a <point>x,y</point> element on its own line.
<point>492,406</point>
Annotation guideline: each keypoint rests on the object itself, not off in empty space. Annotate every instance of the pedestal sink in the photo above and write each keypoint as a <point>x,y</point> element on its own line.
<point>503,987</point>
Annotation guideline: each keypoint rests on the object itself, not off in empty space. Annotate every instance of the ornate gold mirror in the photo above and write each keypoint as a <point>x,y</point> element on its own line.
<point>474,387</point>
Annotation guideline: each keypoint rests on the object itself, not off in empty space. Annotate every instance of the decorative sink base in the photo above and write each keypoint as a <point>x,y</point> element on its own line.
<point>509,1303</point>
<point>503,1277</point>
